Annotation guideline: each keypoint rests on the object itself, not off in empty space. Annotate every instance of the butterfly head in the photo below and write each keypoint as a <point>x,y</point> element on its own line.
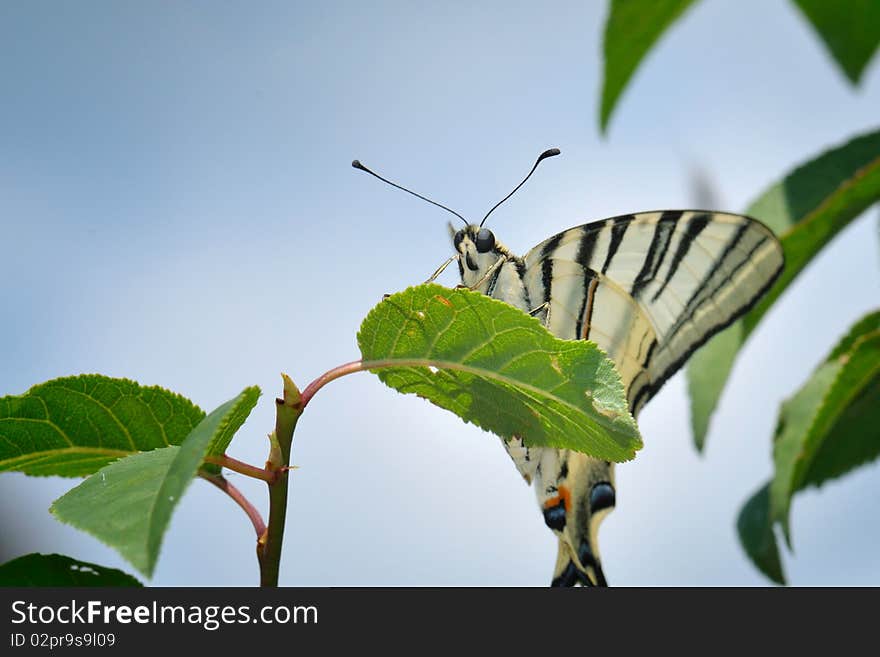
<point>477,250</point>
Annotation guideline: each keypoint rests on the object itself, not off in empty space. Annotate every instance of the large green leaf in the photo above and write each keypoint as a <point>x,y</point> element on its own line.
<point>59,570</point>
<point>73,426</point>
<point>128,504</point>
<point>807,208</point>
<point>499,368</point>
<point>827,428</point>
<point>849,28</point>
<point>632,28</point>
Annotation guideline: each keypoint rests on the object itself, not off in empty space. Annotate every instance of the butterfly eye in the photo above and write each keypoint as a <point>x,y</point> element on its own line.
<point>485,240</point>
<point>601,497</point>
<point>456,240</point>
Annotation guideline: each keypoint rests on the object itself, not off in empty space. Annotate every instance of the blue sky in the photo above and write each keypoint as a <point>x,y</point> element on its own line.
<point>177,207</point>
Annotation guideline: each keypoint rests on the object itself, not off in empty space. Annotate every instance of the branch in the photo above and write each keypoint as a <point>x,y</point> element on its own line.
<point>223,484</point>
<point>240,467</point>
<point>287,412</point>
<point>359,366</point>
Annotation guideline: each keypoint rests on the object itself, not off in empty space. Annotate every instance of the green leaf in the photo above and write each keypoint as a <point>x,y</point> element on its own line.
<point>850,30</point>
<point>493,365</point>
<point>59,570</point>
<point>825,429</point>
<point>128,504</point>
<point>867,324</point>
<point>632,28</point>
<point>74,426</point>
<point>851,442</point>
<point>807,208</point>
<point>756,535</point>
<point>704,384</point>
<point>813,204</point>
<point>829,426</point>
<point>231,424</point>
<point>796,416</point>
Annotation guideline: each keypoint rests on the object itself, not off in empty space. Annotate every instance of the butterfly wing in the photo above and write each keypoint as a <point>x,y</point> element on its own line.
<point>649,289</point>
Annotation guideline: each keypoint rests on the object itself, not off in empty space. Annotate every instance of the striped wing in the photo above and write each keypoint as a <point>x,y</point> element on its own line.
<point>650,288</point>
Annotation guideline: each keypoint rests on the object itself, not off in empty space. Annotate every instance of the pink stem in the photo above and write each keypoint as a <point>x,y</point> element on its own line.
<point>327,377</point>
<point>221,482</point>
<point>359,366</point>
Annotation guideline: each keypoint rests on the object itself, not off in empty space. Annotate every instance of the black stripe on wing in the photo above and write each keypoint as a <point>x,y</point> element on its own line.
<point>657,251</point>
<point>618,230</point>
<point>700,294</point>
<point>547,265</point>
<point>694,228</point>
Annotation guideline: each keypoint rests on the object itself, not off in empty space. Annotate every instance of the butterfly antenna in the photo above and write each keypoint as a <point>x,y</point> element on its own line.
<point>548,153</point>
<point>357,165</point>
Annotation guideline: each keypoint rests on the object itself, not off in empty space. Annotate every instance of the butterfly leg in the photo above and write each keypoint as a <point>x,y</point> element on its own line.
<point>543,306</point>
<point>441,269</point>
<point>501,260</point>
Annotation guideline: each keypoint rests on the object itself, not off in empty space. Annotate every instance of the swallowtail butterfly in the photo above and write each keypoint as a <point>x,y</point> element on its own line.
<point>649,288</point>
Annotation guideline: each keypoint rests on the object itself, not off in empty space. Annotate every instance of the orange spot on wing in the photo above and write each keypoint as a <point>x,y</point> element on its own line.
<point>588,309</point>
<point>564,497</point>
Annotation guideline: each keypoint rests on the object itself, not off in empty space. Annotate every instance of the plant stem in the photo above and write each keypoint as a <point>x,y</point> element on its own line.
<point>287,412</point>
<point>361,366</point>
<point>223,484</point>
<point>240,467</point>
<point>327,377</point>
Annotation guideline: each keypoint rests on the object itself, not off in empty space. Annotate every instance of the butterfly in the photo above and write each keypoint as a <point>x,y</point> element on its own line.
<point>649,289</point>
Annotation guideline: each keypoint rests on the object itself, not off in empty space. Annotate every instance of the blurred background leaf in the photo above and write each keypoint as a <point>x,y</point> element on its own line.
<point>829,427</point>
<point>59,570</point>
<point>756,535</point>
<point>806,209</point>
<point>632,28</point>
<point>850,30</point>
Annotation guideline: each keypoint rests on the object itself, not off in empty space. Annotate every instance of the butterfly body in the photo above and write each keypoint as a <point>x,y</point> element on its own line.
<point>647,288</point>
